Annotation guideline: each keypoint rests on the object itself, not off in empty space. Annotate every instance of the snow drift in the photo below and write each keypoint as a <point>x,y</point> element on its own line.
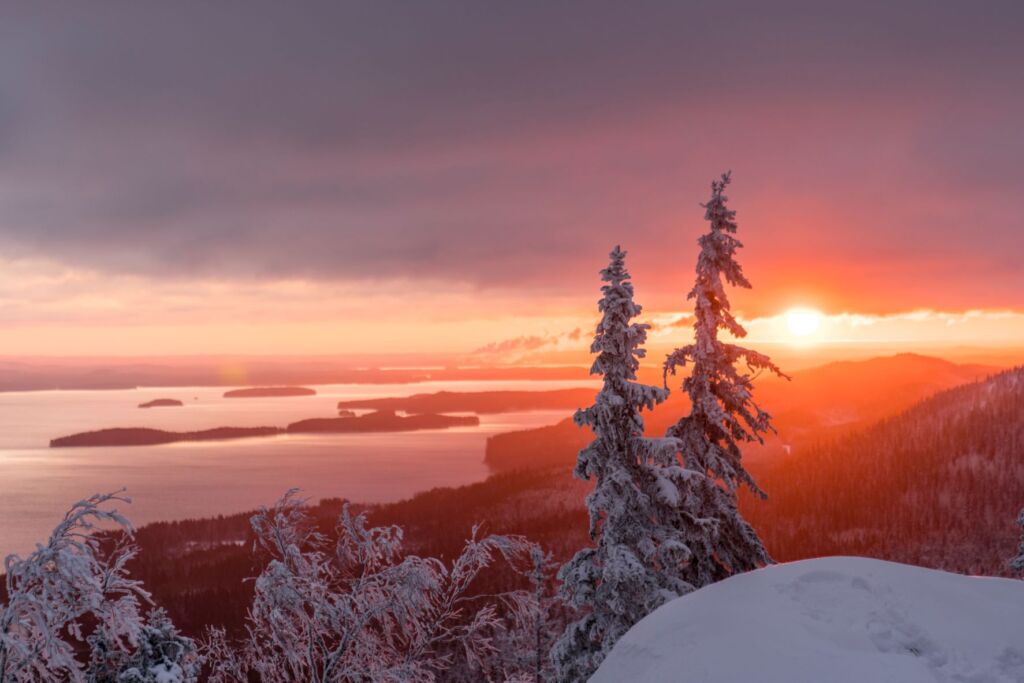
<point>836,619</point>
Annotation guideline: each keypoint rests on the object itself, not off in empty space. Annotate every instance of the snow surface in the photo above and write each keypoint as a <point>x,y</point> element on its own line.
<point>836,619</point>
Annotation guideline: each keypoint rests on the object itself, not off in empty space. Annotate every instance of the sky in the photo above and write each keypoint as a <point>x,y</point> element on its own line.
<point>346,177</point>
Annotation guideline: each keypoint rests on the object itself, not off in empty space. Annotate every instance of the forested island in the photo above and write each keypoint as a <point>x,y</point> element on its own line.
<point>162,403</point>
<point>382,421</point>
<point>379,421</point>
<point>141,436</point>
<point>481,402</point>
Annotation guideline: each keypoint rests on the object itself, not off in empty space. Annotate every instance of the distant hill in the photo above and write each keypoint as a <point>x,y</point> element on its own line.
<point>850,392</point>
<point>938,485</point>
<point>836,396</point>
<point>817,402</point>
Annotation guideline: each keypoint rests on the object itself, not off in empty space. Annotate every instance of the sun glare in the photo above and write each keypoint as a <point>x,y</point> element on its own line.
<point>803,322</point>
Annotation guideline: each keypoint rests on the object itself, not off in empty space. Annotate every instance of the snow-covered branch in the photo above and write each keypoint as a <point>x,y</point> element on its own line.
<point>73,595</point>
<point>362,609</point>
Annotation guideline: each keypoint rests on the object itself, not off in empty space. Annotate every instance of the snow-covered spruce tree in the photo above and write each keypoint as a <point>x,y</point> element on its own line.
<point>1017,563</point>
<point>640,552</point>
<point>73,596</point>
<point>723,414</point>
<point>360,609</point>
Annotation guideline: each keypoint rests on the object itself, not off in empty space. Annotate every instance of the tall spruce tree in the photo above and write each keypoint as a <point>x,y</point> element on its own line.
<point>723,415</point>
<point>635,566</point>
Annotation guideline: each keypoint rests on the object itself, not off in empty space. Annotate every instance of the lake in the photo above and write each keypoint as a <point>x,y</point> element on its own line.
<point>202,479</point>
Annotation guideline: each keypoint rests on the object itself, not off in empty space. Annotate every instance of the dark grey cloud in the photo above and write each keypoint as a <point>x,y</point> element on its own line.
<point>503,143</point>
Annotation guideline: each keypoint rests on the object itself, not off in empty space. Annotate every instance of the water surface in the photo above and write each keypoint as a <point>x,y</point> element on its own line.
<point>182,480</point>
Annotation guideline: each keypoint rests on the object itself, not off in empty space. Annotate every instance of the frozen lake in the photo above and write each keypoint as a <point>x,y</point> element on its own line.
<point>182,480</point>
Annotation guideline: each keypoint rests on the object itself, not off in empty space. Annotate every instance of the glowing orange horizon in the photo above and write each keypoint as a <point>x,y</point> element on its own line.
<point>49,309</point>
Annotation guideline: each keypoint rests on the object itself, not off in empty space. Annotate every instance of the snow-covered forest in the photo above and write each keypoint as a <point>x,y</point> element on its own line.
<point>936,485</point>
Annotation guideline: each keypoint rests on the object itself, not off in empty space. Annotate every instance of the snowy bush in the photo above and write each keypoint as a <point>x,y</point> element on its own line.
<point>74,614</point>
<point>361,609</point>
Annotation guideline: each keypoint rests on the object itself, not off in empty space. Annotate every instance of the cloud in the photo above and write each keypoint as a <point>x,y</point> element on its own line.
<point>509,147</point>
<point>534,348</point>
<point>517,344</point>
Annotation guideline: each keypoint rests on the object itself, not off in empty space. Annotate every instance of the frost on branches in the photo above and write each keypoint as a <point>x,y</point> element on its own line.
<point>1017,563</point>
<point>634,508</point>
<point>723,414</point>
<point>72,600</point>
<point>163,655</point>
<point>361,609</point>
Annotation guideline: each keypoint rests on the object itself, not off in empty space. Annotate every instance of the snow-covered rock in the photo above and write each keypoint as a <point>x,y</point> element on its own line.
<point>836,619</point>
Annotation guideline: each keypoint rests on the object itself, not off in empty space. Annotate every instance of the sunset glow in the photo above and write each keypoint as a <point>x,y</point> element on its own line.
<point>803,322</point>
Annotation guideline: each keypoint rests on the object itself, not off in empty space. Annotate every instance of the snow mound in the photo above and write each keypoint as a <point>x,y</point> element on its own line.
<point>836,619</point>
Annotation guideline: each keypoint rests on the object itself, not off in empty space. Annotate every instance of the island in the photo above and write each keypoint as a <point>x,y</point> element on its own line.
<point>378,421</point>
<point>480,402</point>
<point>381,421</point>
<point>141,436</point>
<point>266,392</point>
<point>162,403</point>
<point>346,413</point>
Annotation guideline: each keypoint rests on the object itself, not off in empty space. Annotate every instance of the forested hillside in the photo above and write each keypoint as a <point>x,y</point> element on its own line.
<point>938,485</point>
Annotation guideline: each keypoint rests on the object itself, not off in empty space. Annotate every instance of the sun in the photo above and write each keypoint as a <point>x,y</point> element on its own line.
<point>803,322</point>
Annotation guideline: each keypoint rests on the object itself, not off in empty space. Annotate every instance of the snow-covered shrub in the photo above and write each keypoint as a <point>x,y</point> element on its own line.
<point>74,614</point>
<point>361,609</point>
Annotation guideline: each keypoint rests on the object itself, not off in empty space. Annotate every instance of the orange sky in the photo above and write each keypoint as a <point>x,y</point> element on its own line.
<point>53,310</point>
